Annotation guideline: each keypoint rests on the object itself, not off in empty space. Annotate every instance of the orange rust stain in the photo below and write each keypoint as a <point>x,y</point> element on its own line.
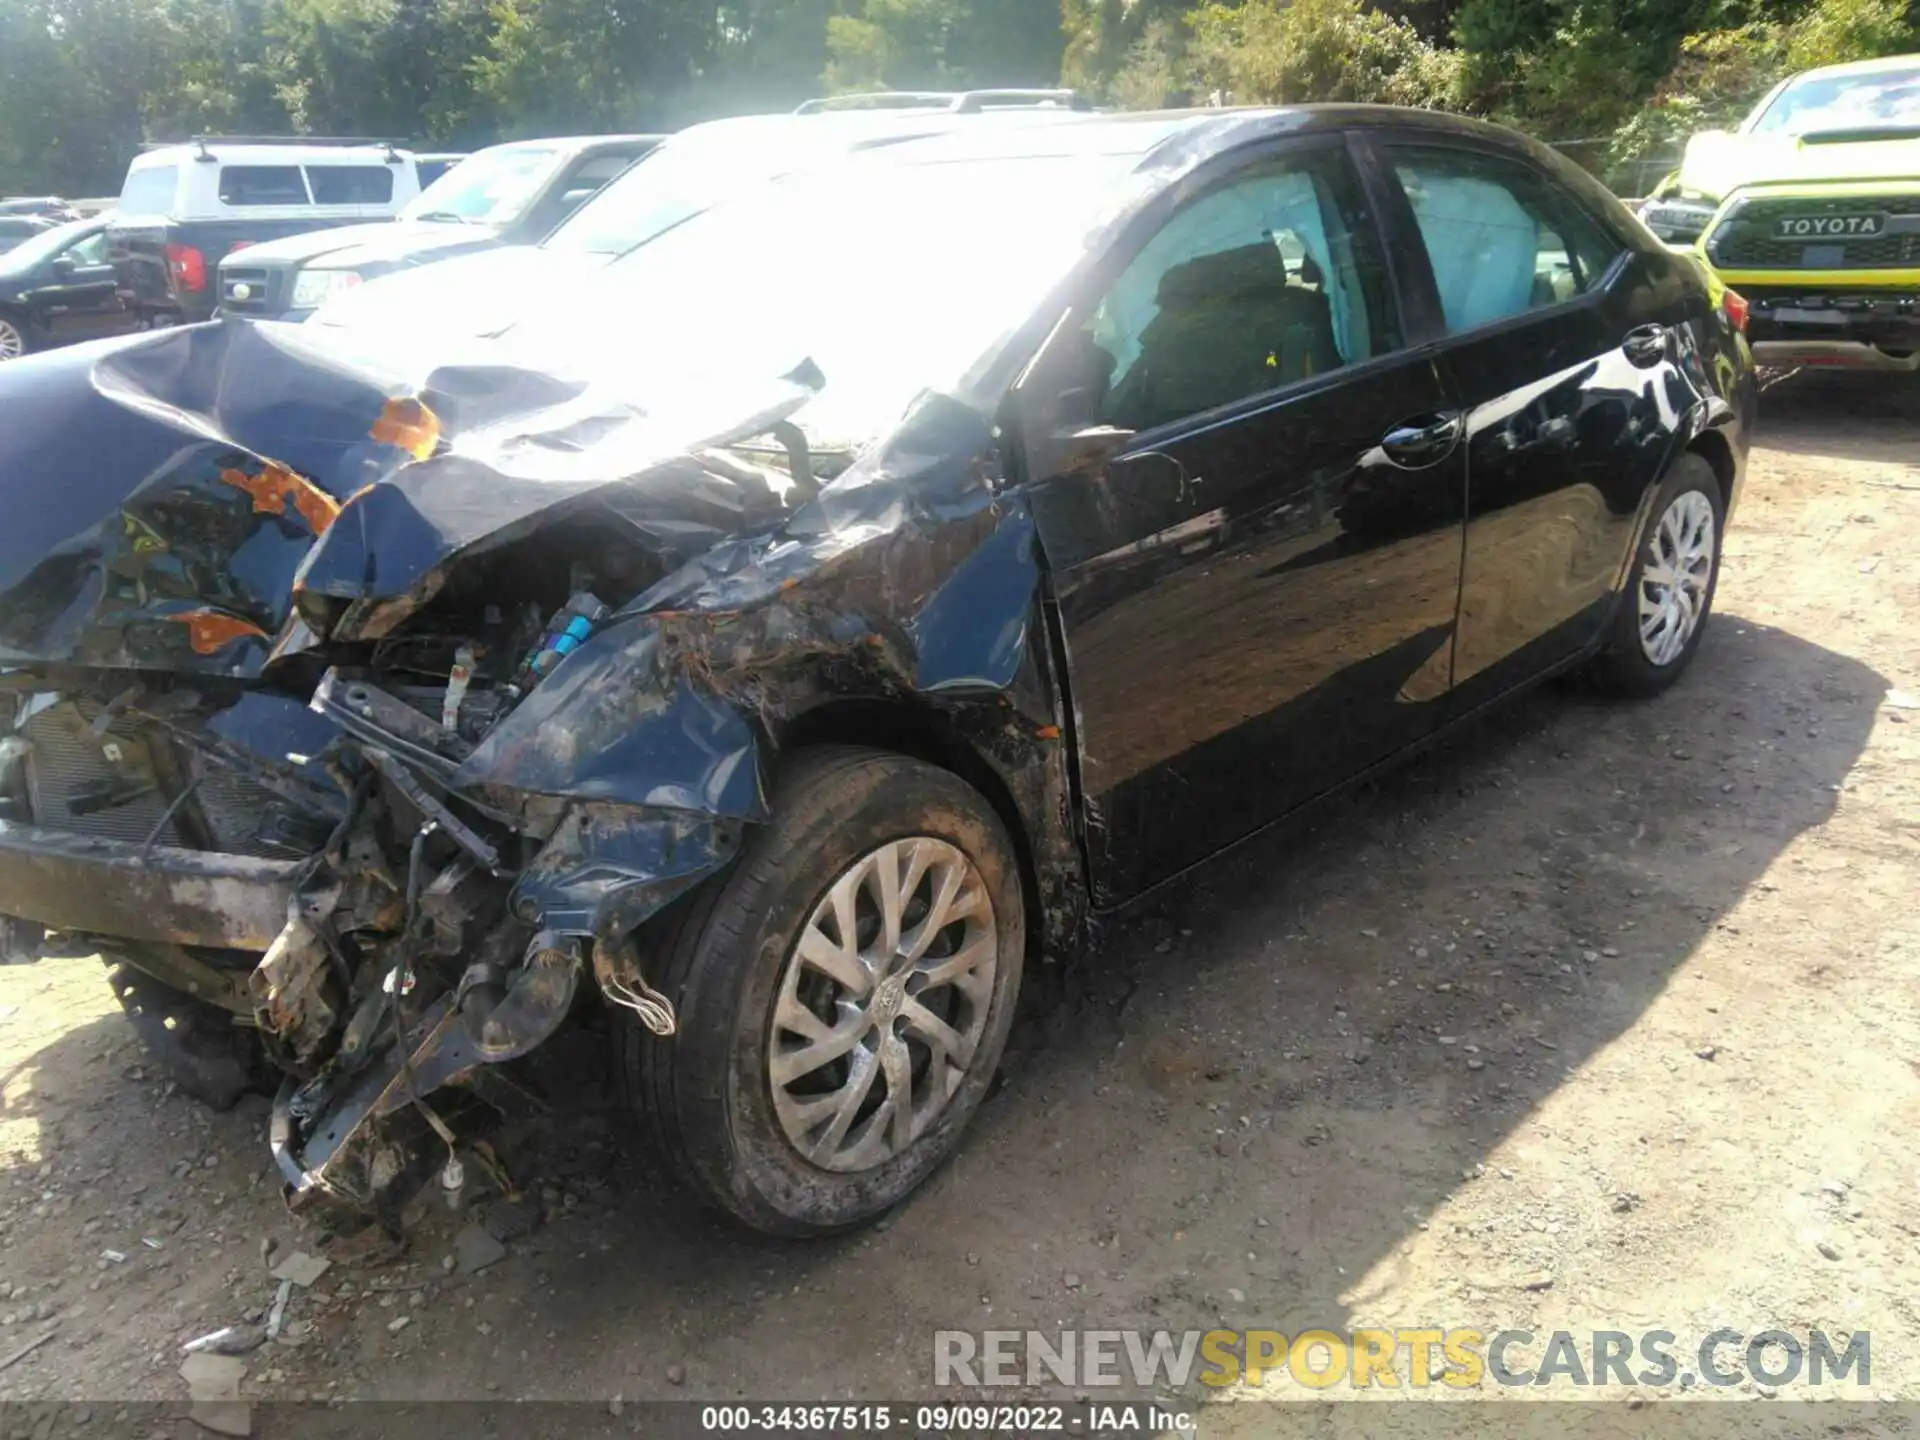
<point>410,425</point>
<point>275,485</point>
<point>209,632</point>
<point>1048,732</point>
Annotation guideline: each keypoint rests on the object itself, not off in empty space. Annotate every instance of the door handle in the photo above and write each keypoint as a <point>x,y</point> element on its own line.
<point>1424,440</point>
<point>1645,345</point>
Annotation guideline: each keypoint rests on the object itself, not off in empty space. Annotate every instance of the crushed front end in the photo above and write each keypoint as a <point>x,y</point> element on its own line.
<point>257,718</point>
<point>377,713</point>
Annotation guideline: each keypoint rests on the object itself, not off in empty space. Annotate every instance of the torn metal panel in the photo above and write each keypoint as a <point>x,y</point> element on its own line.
<point>608,867</point>
<point>612,724</point>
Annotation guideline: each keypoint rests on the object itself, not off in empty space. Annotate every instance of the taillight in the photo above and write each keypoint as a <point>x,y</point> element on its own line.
<point>238,246</point>
<point>187,267</point>
<point>1736,308</point>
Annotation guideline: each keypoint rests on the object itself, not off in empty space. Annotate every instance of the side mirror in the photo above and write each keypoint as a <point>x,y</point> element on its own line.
<point>64,266</point>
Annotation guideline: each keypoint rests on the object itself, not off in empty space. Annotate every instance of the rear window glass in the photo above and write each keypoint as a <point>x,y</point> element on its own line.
<point>149,191</point>
<point>351,184</point>
<point>262,185</point>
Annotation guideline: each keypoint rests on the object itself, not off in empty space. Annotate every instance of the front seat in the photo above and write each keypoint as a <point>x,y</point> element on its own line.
<point>1229,325</point>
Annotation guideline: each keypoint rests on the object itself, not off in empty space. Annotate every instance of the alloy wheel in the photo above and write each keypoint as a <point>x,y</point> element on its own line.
<point>12,343</point>
<point>882,1003</point>
<point>1675,579</point>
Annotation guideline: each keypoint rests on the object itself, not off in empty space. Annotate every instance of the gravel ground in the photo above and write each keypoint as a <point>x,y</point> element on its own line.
<point>1599,1017</point>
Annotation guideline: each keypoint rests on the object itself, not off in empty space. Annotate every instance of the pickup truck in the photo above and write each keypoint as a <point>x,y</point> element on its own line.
<point>1811,210</point>
<point>507,195</point>
<point>184,208</point>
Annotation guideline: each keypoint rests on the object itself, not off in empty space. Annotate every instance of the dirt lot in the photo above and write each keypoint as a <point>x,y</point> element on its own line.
<point>1600,1017</point>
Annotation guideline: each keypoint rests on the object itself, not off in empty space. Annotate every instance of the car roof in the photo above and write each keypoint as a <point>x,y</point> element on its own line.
<point>855,127</point>
<point>1194,135</point>
<point>1860,67</point>
<point>570,142</point>
<point>265,154</point>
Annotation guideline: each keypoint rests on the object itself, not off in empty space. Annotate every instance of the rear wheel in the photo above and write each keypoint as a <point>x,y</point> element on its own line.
<point>1670,589</point>
<point>844,995</point>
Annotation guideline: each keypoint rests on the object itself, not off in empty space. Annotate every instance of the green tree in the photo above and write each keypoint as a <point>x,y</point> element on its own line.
<point>769,55</point>
<point>558,66</point>
<point>80,81</point>
<point>1263,51</point>
<point>943,44</point>
<point>1102,37</point>
<point>395,68</point>
<point>1154,72</point>
<point>1719,74</point>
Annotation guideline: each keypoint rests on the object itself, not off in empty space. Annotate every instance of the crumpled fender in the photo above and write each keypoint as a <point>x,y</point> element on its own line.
<point>913,581</point>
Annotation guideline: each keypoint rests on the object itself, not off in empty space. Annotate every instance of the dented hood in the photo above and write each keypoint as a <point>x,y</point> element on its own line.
<point>167,497</point>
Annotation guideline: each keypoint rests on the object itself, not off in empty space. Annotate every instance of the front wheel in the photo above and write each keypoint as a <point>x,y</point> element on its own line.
<point>1670,588</point>
<point>844,995</point>
<point>15,337</point>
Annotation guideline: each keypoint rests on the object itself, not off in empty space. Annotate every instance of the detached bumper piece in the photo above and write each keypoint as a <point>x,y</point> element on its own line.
<point>137,892</point>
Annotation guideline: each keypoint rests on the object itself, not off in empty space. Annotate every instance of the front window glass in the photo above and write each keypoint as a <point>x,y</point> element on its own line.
<point>90,251</point>
<point>1265,282</point>
<point>491,188</point>
<point>45,244</point>
<point>1886,99</point>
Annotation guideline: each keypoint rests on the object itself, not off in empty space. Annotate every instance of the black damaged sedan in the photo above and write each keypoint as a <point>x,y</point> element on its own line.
<point>858,590</point>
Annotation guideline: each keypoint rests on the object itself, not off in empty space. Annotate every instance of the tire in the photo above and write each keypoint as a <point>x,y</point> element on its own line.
<point>19,940</point>
<point>717,1112</point>
<point>16,336</point>
<point>196,1045</point>
<point>1636,664</point>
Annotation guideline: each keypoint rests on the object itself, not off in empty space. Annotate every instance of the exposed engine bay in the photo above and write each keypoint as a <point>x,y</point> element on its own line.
<point>428,932</point>
<point>379,717</point>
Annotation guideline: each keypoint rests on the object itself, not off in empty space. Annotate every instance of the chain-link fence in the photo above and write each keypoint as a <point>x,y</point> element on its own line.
<point>1629,179</point>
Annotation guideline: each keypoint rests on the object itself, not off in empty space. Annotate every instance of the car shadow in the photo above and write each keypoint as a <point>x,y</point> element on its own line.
<point>1239,1106</point>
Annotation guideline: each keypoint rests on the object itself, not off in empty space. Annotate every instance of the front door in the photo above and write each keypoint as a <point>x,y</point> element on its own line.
<point>76,299</point>
<point>1250,498</point>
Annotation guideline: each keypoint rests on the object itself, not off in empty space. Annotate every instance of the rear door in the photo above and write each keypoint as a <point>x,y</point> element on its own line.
<point>1250,497</point>
<point>1564,360</point>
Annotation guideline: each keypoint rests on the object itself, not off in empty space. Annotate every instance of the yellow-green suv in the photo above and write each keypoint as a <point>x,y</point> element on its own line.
<point>1811,210</point>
